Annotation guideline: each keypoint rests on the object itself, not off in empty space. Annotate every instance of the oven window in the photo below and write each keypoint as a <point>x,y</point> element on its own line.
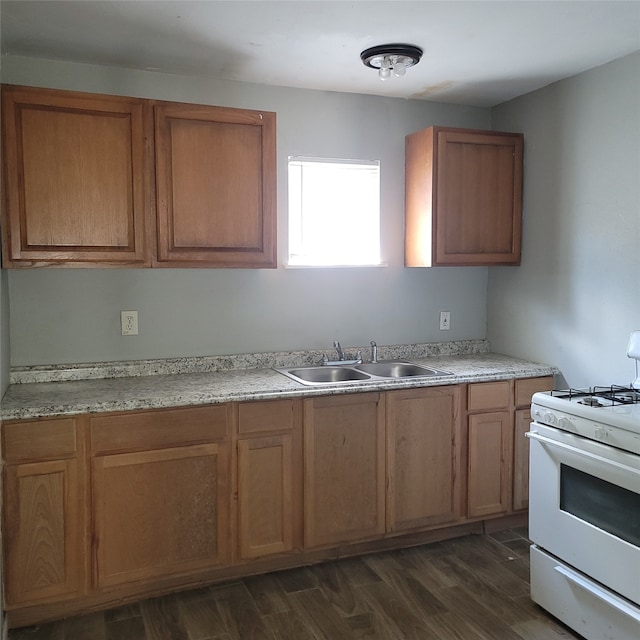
<point>614,509</point>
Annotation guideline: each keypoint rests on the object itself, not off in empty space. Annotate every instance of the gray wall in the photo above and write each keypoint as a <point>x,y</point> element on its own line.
<point>576,297</point>
<point>72,315</point>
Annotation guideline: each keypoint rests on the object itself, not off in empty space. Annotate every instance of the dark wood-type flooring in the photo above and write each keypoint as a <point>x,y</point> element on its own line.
<point>471,588</point>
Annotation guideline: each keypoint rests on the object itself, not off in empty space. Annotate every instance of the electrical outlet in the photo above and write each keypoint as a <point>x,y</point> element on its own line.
<point>445,320</point>
<point>129,323</point>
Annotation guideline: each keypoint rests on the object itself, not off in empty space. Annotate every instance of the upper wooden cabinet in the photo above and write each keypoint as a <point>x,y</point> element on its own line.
<point>216,196</point>
<point>74,167</point>
<point>463,197</point>
<point>83,171</point>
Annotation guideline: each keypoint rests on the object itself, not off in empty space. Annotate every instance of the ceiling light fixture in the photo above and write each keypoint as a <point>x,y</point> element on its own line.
<point>391,59</point>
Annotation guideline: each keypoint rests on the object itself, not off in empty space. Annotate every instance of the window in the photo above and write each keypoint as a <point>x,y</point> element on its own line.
<point>334,212</point>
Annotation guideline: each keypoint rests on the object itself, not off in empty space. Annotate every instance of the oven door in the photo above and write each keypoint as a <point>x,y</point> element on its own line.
<point>584,507</point>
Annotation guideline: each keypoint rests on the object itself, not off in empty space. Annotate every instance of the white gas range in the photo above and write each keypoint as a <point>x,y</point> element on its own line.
<point>584,508</point>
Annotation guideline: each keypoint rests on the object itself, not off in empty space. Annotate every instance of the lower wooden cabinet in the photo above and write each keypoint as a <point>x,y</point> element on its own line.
<point>160,493</point>
<point>489,468</point>
<point>110,506</point>
<point>269,478</point>
<point>423,457</point>
<point>344,468</point>
<point>497,449</point>
<point>524,389</point>
<point>162,512</point>
<point>44,531</point>
<point>44,523</point>
<point>521,460</point>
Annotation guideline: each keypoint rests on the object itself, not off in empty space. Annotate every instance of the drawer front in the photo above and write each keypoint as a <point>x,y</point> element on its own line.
<point>31,440</point>
<point>488,395</point>
<point>528,386</point>
<point>272,415</point>
<point>159,429</point>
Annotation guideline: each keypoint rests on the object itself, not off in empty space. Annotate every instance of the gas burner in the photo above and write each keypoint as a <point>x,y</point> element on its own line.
<point>591,401</point>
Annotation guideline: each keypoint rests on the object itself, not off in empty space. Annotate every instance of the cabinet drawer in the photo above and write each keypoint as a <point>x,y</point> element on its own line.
<point>488,395</point>
<point>39,439</point>
<point>528,386</point>
<point>272,415</point>
<point>159,429</point>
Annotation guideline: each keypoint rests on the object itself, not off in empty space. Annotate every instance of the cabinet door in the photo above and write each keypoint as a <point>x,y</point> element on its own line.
<point>161,512</point>
<point>521,460</point>
<point>489,470</point>
<point>43,525</point>
<point>265,495</point>
<point>75,185</point>
<point>344,468</point>
<point>216,186</point>
<point>423,457</point>
<point>463,197</point>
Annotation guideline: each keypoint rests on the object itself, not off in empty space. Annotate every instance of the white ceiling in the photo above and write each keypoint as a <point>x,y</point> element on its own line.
<point>477,53</point>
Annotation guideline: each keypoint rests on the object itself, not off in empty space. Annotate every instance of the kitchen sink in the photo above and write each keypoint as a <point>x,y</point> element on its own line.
<point>399,369</point>
<point>324,375</point>
<point>370,371</point>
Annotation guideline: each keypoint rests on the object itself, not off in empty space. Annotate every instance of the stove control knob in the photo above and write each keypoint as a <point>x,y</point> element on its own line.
<point>549,418</point>
<point>601,433</point>
<point>564,423</point>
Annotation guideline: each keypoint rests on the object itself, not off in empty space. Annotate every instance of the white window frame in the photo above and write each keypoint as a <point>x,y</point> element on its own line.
<point>322,230</point>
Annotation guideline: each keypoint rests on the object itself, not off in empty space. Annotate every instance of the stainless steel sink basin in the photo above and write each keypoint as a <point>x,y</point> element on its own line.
<point>371,371</point>
<point>325,375</point>
<point>399,369</point>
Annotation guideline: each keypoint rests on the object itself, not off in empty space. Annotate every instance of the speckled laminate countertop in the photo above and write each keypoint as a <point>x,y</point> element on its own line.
<point>77,396</point>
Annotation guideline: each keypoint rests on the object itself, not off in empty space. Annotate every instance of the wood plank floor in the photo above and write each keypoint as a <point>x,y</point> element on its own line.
<point>471,588</point>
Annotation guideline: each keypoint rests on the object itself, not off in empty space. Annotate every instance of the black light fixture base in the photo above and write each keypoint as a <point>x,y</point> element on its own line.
<point>374,56</point>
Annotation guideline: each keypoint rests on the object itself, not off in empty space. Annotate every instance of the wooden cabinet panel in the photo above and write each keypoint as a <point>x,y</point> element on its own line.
<point>158,428</point>
<point>74,178</point>
<point>423,457</point>
<point>483,396</point>
<point>44,545</point>
<point>157,513</point>
<point>31,440</point>
<point>265,495</point>
<point>344,468</point>
<point>526,387</point>
<point>269,415</point>
<point>489,464</point>
<point>463,197</point>
<point>521,460</point>
<point>216,198</point>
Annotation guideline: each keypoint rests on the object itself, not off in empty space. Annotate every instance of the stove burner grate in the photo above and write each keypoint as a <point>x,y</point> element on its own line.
<point>613,394</point>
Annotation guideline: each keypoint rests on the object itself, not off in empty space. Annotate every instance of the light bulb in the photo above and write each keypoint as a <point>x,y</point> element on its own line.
<point>384,73</point>
<point>399,69</point>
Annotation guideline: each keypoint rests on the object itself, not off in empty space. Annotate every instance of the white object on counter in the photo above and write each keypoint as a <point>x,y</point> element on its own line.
<point>633,351</point>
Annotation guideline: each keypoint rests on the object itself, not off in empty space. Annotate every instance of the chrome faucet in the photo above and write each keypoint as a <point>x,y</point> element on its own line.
<point>343,358</point>
<point>374,352</point>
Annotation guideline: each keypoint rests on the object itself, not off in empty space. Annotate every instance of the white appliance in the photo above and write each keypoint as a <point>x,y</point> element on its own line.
<point>584,509</point>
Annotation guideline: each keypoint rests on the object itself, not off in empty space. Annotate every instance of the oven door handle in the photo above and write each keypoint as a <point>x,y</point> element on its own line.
<point>614,601</point>
<point>533,435</point>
